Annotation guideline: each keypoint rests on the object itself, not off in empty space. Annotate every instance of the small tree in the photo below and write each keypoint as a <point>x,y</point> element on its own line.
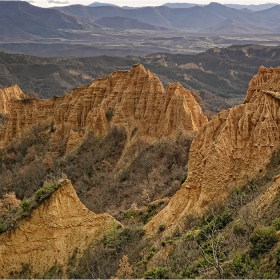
<point>211,242</point>
<point>125,270</point>
<point>262,240</point>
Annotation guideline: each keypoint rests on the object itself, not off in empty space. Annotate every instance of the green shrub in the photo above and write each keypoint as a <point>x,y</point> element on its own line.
<point>54,272</point>
<point>44,192</point>
<point>2,228</point>
<point>161,227</point>
<point>238,230</point>
<point>26,206</point>
<point>276,223</point>
<point>193,270</point>
<point>183,179</point>
<point>214,222</point>
<point>157,273</point>
<point>277,255</point>
<point>262,240</point>
<point>242,265</point>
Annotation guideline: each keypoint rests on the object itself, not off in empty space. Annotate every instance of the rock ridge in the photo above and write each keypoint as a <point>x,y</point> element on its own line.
<point>54,231</point>
<point>134,99</point>
<point>8,94</point>
<point>234,147</point>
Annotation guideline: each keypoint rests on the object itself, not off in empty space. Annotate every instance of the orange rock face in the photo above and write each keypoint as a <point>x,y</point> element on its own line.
<point>8,94</point>
<point>133,99</point>
<point>234,147</point>
<point>58,227</point>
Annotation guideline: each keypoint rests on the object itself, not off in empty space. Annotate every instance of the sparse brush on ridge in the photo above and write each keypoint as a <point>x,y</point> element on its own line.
<point>13,210</point>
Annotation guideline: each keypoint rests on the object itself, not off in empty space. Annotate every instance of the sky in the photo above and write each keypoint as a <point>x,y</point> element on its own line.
<point>141,3</point>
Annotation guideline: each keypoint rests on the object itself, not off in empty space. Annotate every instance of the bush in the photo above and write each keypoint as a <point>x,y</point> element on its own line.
<point>262,240</point>
<point>238,230</point>
<point>157,273</point>
<point>193,270</point>
<point>109,114</point>
<point>277,255</point>
<point>241,265</point>
<point>2,228</point>
<point>214,223</point>
<point>161,227</point>
<point>276,223</point>
<point>45,192</point>
<point>26,206</point>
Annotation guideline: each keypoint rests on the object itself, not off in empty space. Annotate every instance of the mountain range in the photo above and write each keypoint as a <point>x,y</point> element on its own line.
<point>192,19</point>
<point>78,30</point>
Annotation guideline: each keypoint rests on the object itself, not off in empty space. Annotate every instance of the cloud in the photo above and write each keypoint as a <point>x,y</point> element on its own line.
<point>58,2</point>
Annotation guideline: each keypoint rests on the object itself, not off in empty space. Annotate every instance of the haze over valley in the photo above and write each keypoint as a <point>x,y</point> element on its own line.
<point>78,30</point>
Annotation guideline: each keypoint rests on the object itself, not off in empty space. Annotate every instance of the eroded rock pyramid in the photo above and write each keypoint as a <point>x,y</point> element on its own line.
<point>234,147</point>
<point>133,99</point>
<point>60,226</point>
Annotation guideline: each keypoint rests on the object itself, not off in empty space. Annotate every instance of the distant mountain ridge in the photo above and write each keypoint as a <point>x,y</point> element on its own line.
<point>122,23</point>
<point>78,30</point>
<point>251,7</point>
<point>189,17</point>
<point>21,20</point>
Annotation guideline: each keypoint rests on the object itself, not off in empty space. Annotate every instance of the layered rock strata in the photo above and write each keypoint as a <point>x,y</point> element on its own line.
<point>60,226</point>
<point>8,94</point>
<point>234,147</point>
<point>133,99</point>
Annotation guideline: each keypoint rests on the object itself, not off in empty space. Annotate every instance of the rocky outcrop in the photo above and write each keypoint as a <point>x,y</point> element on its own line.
<point>8,94</point>
<point>60,226</point>
<point>234,147</point>
<point>133,99</point>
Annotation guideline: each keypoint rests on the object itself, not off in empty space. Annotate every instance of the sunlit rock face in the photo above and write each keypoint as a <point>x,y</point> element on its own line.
<point>60,226</point>
<point>234,147</point>
<point>135,100</point>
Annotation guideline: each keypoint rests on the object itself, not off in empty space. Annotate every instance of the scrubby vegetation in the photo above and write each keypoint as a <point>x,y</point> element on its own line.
<point>13,210</point>
<point>152,172</point>
<point>230,241</point>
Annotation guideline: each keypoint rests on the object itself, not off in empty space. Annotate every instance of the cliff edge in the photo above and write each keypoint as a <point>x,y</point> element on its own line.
<point>8,94</point>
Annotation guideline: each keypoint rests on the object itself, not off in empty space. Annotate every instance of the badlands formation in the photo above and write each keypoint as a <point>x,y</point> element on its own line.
<point>135,100</point>
<point>233,148</point>
<point>132,99</point>
<point>8,94</point>
<point>58,228</point>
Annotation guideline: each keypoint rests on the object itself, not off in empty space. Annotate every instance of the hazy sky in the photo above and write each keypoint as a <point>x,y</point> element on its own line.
<point>137,3</point>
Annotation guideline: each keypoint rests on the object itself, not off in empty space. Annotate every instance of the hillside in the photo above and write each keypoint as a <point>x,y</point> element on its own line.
<point>187,17</point>
<point>122,23</point>
<point>73,31</point>
<point>119,124</point>
<point>232,149</point>
<point>231,26</point>
<point>220,75</point>
<point>21,20</point>
<point>202,207</point>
